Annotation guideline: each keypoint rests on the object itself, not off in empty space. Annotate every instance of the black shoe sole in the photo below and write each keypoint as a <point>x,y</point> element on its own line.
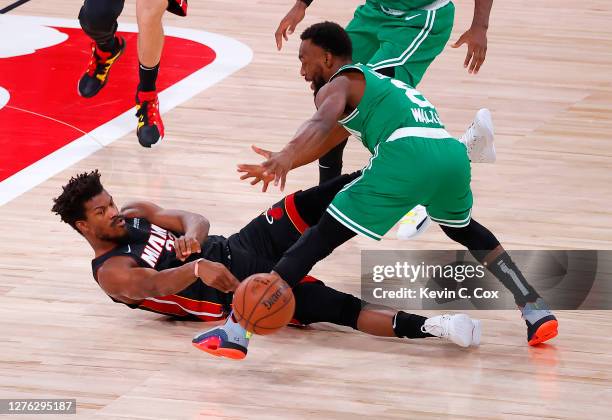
<point>119,54</point>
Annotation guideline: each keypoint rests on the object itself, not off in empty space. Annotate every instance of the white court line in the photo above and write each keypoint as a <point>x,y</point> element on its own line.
<point>231,55</point>
<point>48,117</point>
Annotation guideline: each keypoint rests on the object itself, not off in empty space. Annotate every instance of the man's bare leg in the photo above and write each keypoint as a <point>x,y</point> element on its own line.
<point>149,15</point>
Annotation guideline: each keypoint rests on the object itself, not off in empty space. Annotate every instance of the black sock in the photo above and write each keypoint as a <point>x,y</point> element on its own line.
<point>111,45</point>
<point>407,325</point>
<point>148,77</point>
<point>330,165</point>
<point>504,269</point>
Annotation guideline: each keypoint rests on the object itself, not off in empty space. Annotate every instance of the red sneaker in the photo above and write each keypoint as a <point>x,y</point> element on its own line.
<point>150,128</point>
<point>99,66</point>
<point>178,7</point>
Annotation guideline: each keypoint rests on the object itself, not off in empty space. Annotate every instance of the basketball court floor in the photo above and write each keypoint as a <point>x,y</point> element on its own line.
<point>547,80</point>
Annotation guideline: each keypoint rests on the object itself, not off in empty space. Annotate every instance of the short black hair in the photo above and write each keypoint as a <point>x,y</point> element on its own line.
<point>70,205</point>
<point>331,37</point>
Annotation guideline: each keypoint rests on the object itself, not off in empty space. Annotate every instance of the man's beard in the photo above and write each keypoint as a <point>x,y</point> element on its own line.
<point>122,239</point>
<point>318,84</point>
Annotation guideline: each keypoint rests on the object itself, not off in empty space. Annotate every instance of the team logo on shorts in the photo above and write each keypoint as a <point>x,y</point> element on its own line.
<point>274,213</point>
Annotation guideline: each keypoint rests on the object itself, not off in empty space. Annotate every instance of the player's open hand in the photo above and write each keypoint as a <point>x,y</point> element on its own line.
<point>218,276</point>
<point>278,164</point>
<point>184,246</point>
<point>274,168</point>
<point>476,40</point>
<point>289,22</point>
<point>257,172</point>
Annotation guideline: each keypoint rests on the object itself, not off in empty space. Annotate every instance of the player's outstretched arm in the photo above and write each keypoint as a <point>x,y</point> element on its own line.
<point>314,137</point>
<point>193,227</point>
<point>476,36</point>
<point>290,21</point>
<point>258,173</point>
<point>122,279</point>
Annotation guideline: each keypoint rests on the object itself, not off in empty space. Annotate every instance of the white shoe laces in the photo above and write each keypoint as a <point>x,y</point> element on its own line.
<point>470,137</point>
<point>439,329</point>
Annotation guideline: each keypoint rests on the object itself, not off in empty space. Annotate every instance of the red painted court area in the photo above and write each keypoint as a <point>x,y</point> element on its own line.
<point>45,112</point>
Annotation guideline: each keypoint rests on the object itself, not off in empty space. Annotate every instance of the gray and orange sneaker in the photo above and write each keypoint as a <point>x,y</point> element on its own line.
<point>542,325</point>
<point>229,340</point>
<point>98,69</point>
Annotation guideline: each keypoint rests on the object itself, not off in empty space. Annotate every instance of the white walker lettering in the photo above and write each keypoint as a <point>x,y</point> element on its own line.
<point>159,240</point>
<point>427,116</point>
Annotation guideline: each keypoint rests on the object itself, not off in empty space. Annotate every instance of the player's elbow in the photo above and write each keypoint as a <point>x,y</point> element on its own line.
<point>137,289</point>
<point>195,223</point>
<point>142,292</point>
<point>204,225</point>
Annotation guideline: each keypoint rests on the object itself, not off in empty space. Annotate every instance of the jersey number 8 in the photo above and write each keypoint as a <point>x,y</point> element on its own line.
<point>413,94</point>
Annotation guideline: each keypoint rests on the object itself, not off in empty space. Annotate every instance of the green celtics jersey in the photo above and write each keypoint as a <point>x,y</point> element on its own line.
<point>387,106</point>
<point>404,4</point>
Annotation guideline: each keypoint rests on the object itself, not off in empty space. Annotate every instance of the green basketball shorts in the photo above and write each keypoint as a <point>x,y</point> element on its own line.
<point>422,166</point>
<point>408,41</point>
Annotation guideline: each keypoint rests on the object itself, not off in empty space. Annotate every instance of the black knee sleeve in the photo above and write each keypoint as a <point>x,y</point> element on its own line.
<point>315,244</point>
<point>315,302</point>
<point>475,237</point>
<point>98,19</point>
<point>330,165</point>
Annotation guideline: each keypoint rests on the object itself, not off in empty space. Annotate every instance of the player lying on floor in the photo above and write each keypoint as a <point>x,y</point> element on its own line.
<point>165,261</point>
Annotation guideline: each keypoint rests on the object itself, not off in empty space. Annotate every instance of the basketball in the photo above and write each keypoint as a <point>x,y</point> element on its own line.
<point>263,304</point>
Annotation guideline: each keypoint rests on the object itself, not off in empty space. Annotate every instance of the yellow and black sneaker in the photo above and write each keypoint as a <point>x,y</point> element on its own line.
<point>150,128</point>
<point>96,75</point>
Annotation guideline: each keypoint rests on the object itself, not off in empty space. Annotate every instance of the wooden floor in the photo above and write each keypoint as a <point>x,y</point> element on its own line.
<point>547,80</point>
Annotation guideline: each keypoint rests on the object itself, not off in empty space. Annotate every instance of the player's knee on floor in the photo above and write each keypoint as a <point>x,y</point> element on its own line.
<point>315,302</point>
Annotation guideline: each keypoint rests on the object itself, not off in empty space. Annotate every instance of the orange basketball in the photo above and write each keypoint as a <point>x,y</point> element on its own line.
<point>263,304</point>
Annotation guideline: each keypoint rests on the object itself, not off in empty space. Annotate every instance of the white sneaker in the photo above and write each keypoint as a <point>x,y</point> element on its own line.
<point>413,224</point>
<point>478,139</point>
<point>460,329</point>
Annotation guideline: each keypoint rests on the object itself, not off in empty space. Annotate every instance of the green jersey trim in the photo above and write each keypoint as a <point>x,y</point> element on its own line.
<point>352,225</point>
<point>453,223</point>
<point>349,117</point>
